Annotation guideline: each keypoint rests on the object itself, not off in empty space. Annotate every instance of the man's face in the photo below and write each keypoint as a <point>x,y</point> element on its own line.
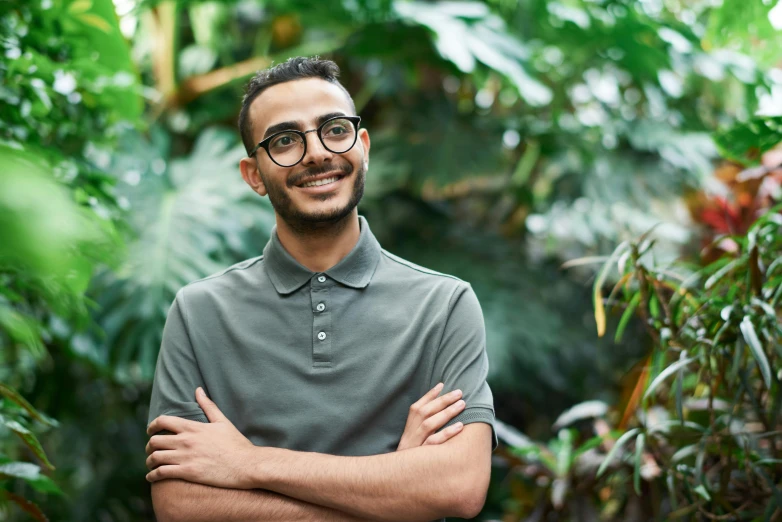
<point>302,104</point>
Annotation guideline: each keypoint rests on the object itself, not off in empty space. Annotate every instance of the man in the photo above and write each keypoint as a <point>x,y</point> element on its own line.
<point>313,353</point>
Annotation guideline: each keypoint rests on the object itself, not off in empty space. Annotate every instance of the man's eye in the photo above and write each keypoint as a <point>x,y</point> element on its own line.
<point>336,130</point>
<point>285,140</point>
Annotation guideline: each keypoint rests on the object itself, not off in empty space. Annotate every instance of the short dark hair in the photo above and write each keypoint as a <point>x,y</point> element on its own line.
<point>296,68</point>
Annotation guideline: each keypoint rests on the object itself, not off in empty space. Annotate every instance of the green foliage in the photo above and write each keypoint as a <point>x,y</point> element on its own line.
<point>16,416</point>
<point>192,216</point>
<point>744,143</point>
<point>746,27</point>
<point>468,33</point>
<point>504,133</point>
<point>67,83</point>
<point>704,440</point>
<point>706,404</point>
<point>65,88</point>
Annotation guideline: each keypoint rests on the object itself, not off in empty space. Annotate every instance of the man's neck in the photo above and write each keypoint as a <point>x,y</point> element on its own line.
<point>323,247</point>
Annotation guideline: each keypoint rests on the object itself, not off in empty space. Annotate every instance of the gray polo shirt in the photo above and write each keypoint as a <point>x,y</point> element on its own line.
<point>327,362</point>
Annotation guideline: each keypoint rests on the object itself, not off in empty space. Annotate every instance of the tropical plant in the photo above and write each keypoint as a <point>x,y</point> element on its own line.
<point>504,135</point>
<point>699,434</point>
<point>192,216</point>
<point>16,416</point>
<point>67,82</point>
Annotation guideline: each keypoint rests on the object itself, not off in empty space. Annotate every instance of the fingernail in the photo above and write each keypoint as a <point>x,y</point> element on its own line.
<point>460,404</point>
<point>457,393</point>
<point>439,386</point>
<point>458,425</point>
<point>200,392</point>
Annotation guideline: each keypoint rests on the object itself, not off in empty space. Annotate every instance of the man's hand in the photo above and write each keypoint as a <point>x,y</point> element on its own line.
<point>216,453</point>
<point>429,414</point>
<point>213,454</point>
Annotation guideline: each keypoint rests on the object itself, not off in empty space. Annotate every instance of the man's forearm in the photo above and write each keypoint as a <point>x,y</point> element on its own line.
<point>178,500</point>
<point>421,483</point>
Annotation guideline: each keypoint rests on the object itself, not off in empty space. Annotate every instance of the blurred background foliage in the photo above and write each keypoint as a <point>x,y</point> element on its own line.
<point>509,137</point>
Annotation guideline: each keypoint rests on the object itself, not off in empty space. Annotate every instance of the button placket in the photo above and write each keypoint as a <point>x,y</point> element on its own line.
<point>321,322</point>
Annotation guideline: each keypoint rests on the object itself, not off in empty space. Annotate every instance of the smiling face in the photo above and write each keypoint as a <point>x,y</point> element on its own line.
<point>304,105</point>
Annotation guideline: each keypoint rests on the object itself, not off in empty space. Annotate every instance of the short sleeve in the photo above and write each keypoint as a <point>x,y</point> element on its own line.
<point>462,362</point>
<point>176,372</point>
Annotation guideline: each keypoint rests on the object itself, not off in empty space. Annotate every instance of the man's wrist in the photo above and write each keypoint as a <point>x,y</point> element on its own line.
<point>261,464</point>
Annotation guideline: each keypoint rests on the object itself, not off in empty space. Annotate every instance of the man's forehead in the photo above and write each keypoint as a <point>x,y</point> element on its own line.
<point>299,100</point>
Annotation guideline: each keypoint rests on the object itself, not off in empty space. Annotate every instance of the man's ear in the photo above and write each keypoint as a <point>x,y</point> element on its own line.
<point>251,175</point>
<point>363,135</point>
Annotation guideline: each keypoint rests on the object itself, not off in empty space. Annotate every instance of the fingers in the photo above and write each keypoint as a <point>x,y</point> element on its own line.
<point>438,420</point>
<point>441,403</point>
<point>160,442</point>
<point>211,410</point>
<point>444,435</point>
<point>428,396</point>
<point>170,423</point>
<point>161,457</point>
<point>429,414</point>
<point>164,472</point>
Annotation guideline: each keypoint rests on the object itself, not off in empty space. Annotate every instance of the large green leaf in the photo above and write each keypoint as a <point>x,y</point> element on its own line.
<point>467,33</point>
<point>17,399</point>
<point>193,216</point>
<point>744,143</point>
<point>42,228</point>
<point>95,23</point>
<point>28,438</point>
<point>31,474</point>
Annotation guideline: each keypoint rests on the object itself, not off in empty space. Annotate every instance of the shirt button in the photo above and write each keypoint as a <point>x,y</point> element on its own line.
<point>321,335</point>
<point>320,307</point>
<point>322,279</point>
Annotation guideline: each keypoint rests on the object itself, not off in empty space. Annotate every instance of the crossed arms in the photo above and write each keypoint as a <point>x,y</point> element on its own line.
<point>206,472</point>
<point>423,483</point>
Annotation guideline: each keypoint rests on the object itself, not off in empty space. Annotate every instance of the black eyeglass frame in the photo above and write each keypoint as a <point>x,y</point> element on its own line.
<point>355,120</point>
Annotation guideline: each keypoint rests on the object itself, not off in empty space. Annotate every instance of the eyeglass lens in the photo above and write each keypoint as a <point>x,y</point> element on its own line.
<point>337,136</point>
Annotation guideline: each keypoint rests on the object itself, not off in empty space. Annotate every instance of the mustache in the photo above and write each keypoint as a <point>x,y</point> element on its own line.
<point>341,170</point>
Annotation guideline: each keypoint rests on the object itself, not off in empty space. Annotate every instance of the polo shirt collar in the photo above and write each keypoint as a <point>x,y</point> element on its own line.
<point>354,270</point>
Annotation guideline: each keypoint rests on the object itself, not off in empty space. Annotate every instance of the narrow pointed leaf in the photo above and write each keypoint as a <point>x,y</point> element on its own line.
<point>673,368</point>
<point>639,448</point>
<point>628,313</point>
<point>28,438</point>
<point>748,331</point>
<point>600,314</point>
<point>16,398</point>
<point>615,450</point>
<point>720,273</point>
<point>583,261</point>
<point>678,393</point>
<point>702,491</point>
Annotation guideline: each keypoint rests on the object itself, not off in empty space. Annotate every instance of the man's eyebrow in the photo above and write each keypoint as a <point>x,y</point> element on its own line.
<point>289,125</point>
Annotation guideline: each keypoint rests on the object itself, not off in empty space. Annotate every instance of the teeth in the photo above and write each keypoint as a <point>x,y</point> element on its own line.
<point>319,182</point>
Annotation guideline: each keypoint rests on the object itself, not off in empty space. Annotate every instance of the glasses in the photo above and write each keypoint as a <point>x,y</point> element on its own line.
<point>287,148</point>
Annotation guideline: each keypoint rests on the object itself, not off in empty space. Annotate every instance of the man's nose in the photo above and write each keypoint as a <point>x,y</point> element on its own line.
<point>316,152</point>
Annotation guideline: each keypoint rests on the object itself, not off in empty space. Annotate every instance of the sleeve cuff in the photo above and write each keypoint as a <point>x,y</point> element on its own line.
<point>477,414</point>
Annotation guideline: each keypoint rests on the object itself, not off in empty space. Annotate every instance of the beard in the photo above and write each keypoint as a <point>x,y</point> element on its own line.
<point>304,222</point>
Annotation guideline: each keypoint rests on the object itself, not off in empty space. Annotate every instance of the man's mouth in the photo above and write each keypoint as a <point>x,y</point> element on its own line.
<point>319,182</point>
<point>321,179</point>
